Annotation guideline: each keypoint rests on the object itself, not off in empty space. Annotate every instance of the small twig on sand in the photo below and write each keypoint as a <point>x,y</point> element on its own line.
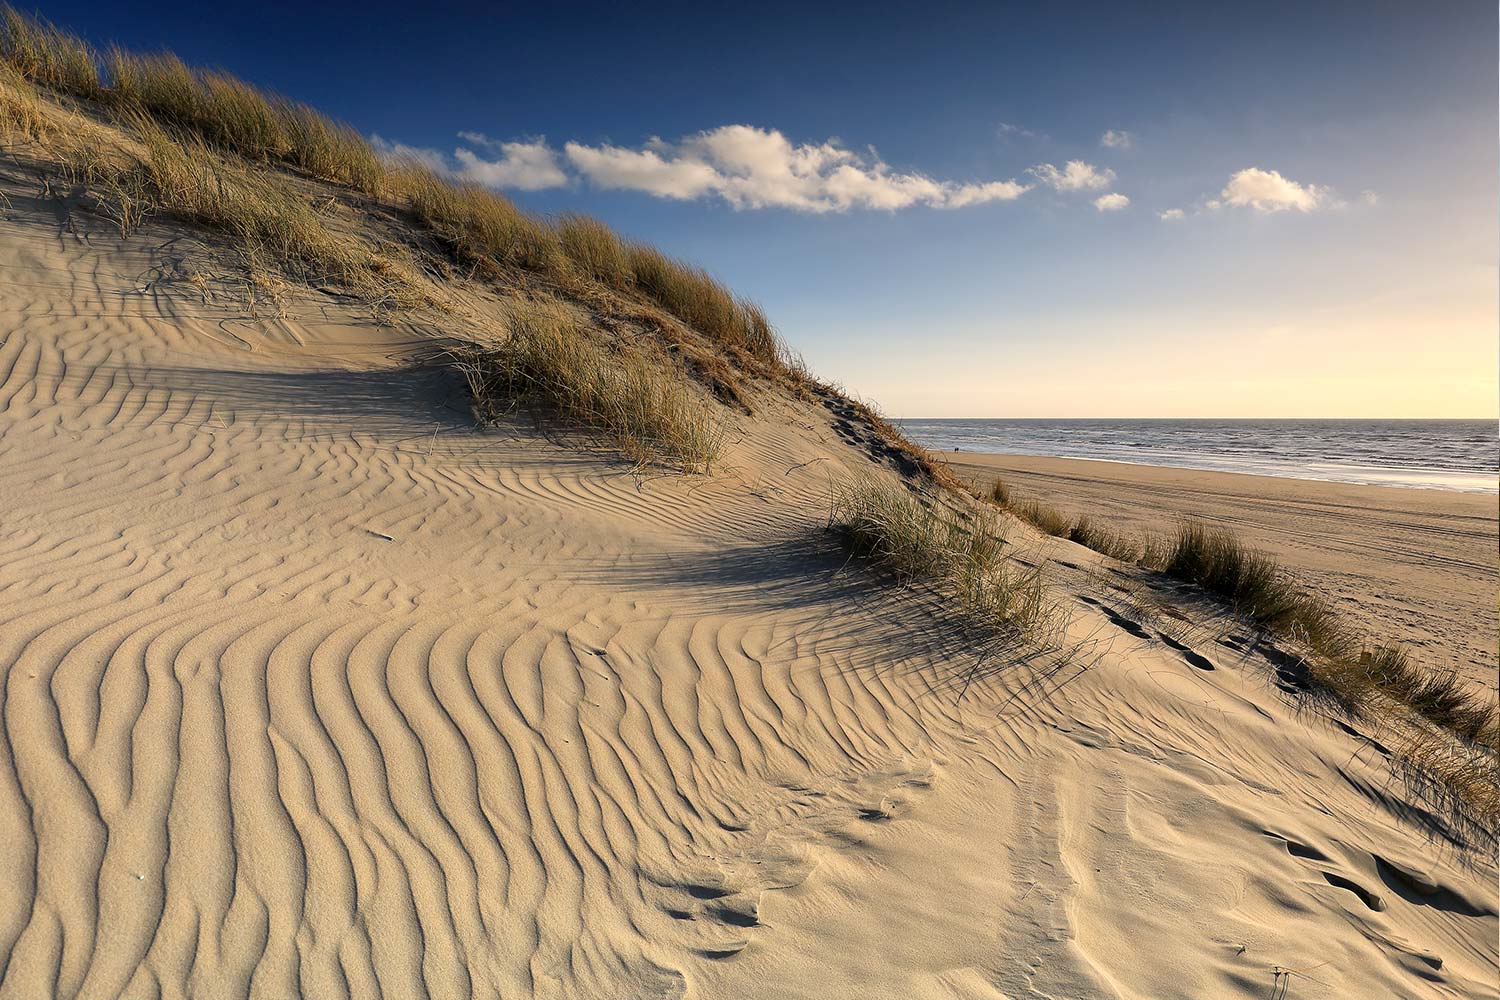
<point>804,465</point>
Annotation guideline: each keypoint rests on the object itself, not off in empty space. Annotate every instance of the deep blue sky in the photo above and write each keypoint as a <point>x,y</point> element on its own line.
<point>1346,303</point>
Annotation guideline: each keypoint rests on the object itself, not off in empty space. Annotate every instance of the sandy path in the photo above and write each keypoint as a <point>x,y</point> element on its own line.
<point>313,690</point>
<point>1420,566</point>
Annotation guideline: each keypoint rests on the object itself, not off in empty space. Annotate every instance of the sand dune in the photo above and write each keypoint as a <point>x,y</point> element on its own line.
<point>314,689</point>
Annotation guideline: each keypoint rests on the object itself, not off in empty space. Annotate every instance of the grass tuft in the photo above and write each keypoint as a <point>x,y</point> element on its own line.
<point>1092,535</point>
<point>1046,519</point>
<point>554,366</point>
<point>696,298</point>
<point>234,116</point>
<point>1340,664</point>
<point>44,54</point>
<point>1217,561</point>
<point>918,539</point>
<point>478,225</point>
<point>594,249</point>
<point>22,113</point>
<point>1463,780</point>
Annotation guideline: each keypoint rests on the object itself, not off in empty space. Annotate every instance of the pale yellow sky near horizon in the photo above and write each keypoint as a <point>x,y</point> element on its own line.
<point>1429,353</point>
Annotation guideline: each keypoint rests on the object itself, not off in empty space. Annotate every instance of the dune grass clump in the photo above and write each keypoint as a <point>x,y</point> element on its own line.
<point>22,113</point>
<point>232,115</point>
<point>1051,521</point>
<point>1216,560</point>
<point>47,55</point>
<point>1046,519</point>
<point>1155,552</point>
<point>594,250</point>
<point>698,299</point>
<point>553,365</point>
<point>917,539</point>
<point>1092,535</point>
<point>1440,698</point>
<point>476,224</point>
<point>330,149</point>
<point>1463,779</point>
<point>198,184</point>
<point>268,223</point>
<point>1340,664</point>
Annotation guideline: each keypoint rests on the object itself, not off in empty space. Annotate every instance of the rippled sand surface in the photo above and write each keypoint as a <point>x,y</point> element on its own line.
<point>313,690</point>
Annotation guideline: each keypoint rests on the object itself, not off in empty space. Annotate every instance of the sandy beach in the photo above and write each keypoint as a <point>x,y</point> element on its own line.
<point>1414,564</point>
<point>314,684</point>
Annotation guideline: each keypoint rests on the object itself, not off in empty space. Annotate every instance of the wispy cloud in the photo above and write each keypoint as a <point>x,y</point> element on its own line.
<point>1171,215</point>
<point>1112,202</point>
<point>432,159</point>
<point>1075,175</point>
<point>1116,138</point>
<point>1010,130</point>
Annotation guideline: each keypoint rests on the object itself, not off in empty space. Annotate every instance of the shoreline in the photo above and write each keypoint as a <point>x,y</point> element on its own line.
<point>1416,565</point>
<point>1488,490</point>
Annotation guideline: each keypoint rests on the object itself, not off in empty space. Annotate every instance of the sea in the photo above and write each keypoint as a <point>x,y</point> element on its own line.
<point>1428,454</point>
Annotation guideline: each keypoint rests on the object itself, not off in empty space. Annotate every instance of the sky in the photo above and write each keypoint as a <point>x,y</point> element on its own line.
<point>976,210</point>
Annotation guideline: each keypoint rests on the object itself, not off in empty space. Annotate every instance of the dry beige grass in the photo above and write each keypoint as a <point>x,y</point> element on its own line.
<point>696,298</point>
<point>919,538</point>
<point>269,221</point>
<point>39,51</point>
<point>476,224</point>
<point>1093,535</point>
<point>594,250</point>
<point>1051,521</point>
<point>23,115</point>
<point>230,114</point>
<point>553,365</point>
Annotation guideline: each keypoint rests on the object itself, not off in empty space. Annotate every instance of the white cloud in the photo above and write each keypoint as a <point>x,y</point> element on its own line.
<point>1370,197</point>
<point>1111,202</point>
<point>526,166</point>
<point>1074,176</point>
<point>640,170</point>
<point>978,194</point>
<point>1171,215</point>
<point>753,167</point>
<point>747,167</point>
<point>1116,138</point>
<point>1008,130</point>
<point>1268,191</point>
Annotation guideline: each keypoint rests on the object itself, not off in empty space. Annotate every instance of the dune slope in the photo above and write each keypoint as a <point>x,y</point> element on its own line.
<point>312,688</point>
